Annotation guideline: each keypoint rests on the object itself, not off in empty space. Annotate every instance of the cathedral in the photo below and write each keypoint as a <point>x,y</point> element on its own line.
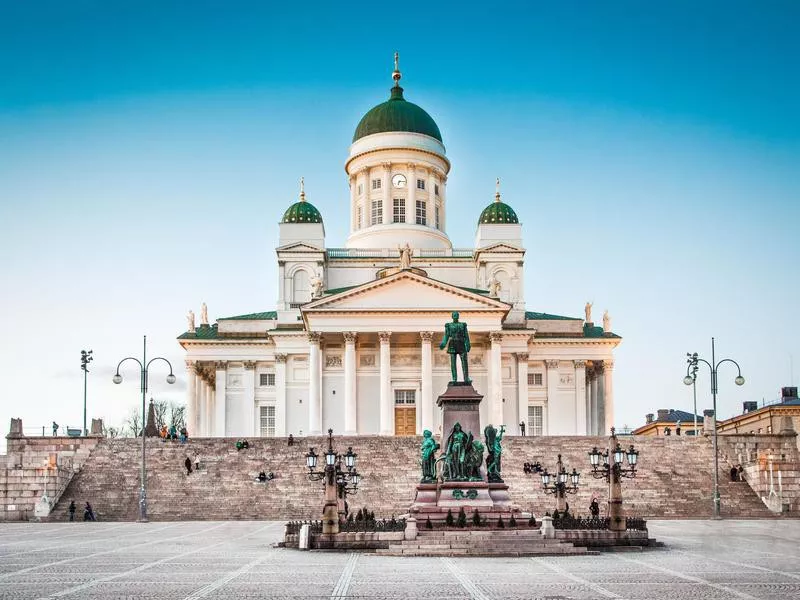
<point>353,341</point>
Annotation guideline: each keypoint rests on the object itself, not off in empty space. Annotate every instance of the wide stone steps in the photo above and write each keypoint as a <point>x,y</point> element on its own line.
<point>482,543</point>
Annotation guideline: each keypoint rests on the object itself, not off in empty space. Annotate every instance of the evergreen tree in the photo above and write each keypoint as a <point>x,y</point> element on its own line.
<point>462,518</point>
<point>500,524</point>
<point>476,519</point>
<point>449,521</point>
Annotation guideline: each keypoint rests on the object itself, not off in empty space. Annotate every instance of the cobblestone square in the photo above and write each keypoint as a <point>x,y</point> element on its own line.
<point>238,559</point>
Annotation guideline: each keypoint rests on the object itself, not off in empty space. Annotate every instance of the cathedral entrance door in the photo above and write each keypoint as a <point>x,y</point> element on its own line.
<point>405,420</point>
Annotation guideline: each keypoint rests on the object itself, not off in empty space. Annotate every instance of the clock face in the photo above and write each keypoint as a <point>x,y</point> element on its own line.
<point>399,181</point>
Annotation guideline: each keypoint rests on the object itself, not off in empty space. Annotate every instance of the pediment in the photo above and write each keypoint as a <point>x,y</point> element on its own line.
<point>406,291</point>
<point>298,247</point>
<point>499,247</point>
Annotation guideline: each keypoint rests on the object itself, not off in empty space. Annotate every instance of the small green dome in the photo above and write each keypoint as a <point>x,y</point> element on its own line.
<point>302,212</point>
<point>397,114</point>
<point>498,212</point>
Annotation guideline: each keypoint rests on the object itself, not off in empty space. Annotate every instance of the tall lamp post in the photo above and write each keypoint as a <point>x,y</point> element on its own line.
<point>339,482</point>
<point>144,368</point>
<point>612,470</point>
<point>560,486</point>
<point>86,358</point>
<point>691,375</point>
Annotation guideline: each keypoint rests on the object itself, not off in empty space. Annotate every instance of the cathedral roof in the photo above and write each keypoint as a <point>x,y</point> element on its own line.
<point>302,211</point>
<point>498,211</point>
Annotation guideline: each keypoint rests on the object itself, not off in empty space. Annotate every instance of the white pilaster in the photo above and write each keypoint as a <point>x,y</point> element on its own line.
<point>386,402</point>
<point>314,405</point>
<point>580,398</point>
<point>594,402</point>
<point>386,192</point>
<point>350,400</point>
<point>280,395</point>
<point>426,381</point>
<point>431,207</point>
<point>211,404</point>
<point>197,426</point>
<point>191,398</point>
<point>250,399</point>
<point>496,379</point>
<point>411,209</point>
<point>608,393</point>
<point>219,397</point>
<point>552,386</point>
<point>601,399</point>
<point>353,203</point>
<point>208,429</point>
<point>522,389</point>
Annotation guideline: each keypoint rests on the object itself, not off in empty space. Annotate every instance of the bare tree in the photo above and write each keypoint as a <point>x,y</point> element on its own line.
<point>161,408</point>
<point>133,422</point>
<point>177,415</point>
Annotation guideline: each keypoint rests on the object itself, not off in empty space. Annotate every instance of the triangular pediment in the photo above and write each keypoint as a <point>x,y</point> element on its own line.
<point>299,247</point>
<point>406,291</point>
<point>499,247</point>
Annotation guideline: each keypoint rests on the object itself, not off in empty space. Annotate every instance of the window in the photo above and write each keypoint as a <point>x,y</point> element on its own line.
<point>422,218</point>
<point>376,184</point>
<point>266,379</point>
<point>360,188</point>
<point>267,421</point>
<point>436,188</point>
<point>534,379</point>
<point>399,214</point>
<point>420,184</point>
<point>436,216</point>
<point>405,396</point>
<point>535,420</point>
<point>359,218</point>
<point>376,216</point>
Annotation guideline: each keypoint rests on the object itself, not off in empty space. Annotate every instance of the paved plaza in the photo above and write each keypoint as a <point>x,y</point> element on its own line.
<point>703,559</point>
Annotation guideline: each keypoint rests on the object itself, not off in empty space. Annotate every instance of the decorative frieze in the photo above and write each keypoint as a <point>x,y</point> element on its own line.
<point>366,360</point>
<point>333,361</point>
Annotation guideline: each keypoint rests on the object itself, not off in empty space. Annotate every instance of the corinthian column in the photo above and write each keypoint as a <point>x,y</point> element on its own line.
<point>580,398</point>
<point>608,393</point>
<point>280,395</point>
<point>386,193</point>
<point>191,398</point>
<point>522,388</point>
<point>386,404</point>
<point>350,401</point>
<point>314,405</point>
<point>426,402</point>
<point>219,396</point>
<point>496,381</point>
<point>553,409</point>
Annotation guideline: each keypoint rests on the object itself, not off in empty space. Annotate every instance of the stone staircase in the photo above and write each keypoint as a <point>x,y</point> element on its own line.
<point>497,542</point>
<point>674,478</point>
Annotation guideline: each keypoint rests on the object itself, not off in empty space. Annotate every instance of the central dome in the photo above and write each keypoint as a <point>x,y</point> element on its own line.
<point>397,114</point>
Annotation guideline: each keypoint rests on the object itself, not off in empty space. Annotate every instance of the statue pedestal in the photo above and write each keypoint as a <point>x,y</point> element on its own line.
<point>460,403</point>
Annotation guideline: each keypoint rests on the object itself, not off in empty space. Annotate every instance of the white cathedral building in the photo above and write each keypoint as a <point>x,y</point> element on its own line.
<point>353,342</point>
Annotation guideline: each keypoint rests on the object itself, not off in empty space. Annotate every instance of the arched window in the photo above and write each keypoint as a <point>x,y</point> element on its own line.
<point>301,287</point>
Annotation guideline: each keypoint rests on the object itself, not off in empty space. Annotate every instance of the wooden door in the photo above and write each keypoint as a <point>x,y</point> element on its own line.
<point>405,420</point>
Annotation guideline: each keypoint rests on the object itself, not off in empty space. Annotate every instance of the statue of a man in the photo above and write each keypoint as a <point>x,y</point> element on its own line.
<point>493,439</point>
<point>494,287</point>
<point>456,338</point>
<point>203,314</point>
<point>190,319</point>
<point>405,256</point>
<point>606,322</point>
<point>316,285</point>
<point>588,310</point>
<point>455,452</point>
<point>428,450</point>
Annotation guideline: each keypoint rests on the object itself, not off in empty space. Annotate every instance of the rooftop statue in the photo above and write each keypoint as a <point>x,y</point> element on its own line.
<point>588,310</point>
<point>405,256</point>
<point>203,314</point>
<point>456,338</point>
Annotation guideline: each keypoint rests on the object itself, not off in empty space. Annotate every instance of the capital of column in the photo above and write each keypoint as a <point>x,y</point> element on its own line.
<point>221,365</point>
<point>280,358</point>
<point>352,179</point>
<point>412,167</point>
<point>387,166</point>
<point>249,365</point>
<point>551,364</point>
<point>350,337</point>
<point>522,356</point>
<point>426,336</point>
<point>579,364</point>
<point>314,337</point>
<point>496,336</point>
<point>385,336</point>
<point>608,364</point>
<point>191,366</point>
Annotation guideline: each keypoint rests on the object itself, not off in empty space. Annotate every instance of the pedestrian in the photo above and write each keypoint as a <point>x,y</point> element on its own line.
<point>196,461</point>
<point>71,510</point>
<point>522,428</point>
<point>55,429</point>
<point>188,464</point>
<point>173,432</point>
<point>594,508</point>
<point>262,477</point>
<point>184,435</point>
<point>740,472</point>
<point>678,428</point>
<point>88,513</point>
<point>734,473</point>
<point>291,440</point>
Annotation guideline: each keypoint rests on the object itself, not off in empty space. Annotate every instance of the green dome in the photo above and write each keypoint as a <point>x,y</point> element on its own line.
<point>302,212</point>
<point>397,114</point>
<point>498,212</point>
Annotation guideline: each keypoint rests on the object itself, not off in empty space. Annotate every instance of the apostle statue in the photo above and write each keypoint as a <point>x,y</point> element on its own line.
<point>190,319</point>
<point>405,256</point>
<point>203,314</point>
<point>606,322</point>
<point>428,451</point>
<point>588,310</point>
<point>456,338</point>
<point>494,286</point>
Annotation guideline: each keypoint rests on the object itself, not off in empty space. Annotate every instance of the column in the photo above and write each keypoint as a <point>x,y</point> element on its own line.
<point>443,216</point>
<point>580,397</point>
<point>594,403</point>
<point>552,385</point>
<point>283,293</point>
<point>386,192</point>
<point>411,208</point>
<point>280,395</point>
<point>496,379</point>
<point>353,203</point>
<point>197,426</point>
<point>426,382</point>
<point>522,388</point>
<point>191,398</point>
<point>219,396</point>
<point>314,406</point>
<point>210,408</point>
<point>601,399</point>
<point>608,393</point>
<point>350,400</point>
<point>386,403</point>
<point>253,427</point>
<point>432,200</point>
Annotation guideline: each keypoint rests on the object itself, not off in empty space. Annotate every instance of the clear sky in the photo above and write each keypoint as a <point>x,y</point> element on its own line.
<point>148,150</point>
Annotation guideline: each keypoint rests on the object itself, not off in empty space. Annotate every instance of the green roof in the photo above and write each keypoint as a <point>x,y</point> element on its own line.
<point>302,212</point>
<point>204,332</point>
<point>594,331</point>
<point>260,316</point>
<point>397,114</point>
<point>498,212</point>
<point>340,290</point>
<point>537,316</point>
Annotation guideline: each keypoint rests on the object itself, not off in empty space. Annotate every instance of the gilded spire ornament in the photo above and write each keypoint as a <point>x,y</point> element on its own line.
<point>497,190</point>
<point>302,189</point>
<point>396,75</point>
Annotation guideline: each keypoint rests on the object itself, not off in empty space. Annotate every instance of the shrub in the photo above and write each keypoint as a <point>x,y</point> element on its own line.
<point>449,521</point>
<point>500,524</point>
<point>476,519</point>
<point>532,521</point>
<point>360,515</point>
<point>462,518</point>
<point>428,524</point>
<point>512,522</point>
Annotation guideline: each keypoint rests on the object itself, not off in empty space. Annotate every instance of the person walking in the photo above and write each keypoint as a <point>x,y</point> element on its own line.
<point>188,464</point>
<point>88,513</point>
<point>196,461</point>
<point>522,428</point>
<point>55,429</point>
<point>71,510</point>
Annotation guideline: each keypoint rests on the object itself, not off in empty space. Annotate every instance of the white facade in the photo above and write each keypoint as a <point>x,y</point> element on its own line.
<point>353,341</point>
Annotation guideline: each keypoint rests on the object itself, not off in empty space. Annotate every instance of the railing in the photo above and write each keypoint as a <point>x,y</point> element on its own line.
<point>47,431</point>
<point>293,527</point>
<point>419,253</point>
<point>571,522</point>
<point>365,525</point>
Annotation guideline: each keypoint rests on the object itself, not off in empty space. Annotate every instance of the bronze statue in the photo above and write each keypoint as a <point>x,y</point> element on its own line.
<point>473,461</point>
<point>456,338</point>
<point>429,448</point>
<point>454,454</point>
<point>493,439</point>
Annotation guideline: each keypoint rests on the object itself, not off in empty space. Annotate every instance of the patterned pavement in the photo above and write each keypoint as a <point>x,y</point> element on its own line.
<point>183,561</point>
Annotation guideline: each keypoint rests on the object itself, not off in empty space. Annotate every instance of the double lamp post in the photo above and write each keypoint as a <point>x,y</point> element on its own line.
<point>339,481</point>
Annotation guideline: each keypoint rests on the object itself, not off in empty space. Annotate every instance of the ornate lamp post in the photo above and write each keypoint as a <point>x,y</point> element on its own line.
<point>691,376</point>
<point>339,481</point>
<point>86,358</point>
<point>144,367</point>
<point>612,470</point>
<point>563,483</point>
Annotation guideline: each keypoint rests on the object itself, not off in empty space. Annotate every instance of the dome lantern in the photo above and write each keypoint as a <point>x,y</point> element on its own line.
<point>302,211</point>
<point>498,212</point>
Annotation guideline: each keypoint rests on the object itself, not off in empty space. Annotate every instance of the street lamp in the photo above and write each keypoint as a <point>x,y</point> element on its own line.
<point>86,358</point>
<point>613,470</point>
<point>563,482</point>
<point>340,481</point>
<point>144,367</point>
<point>691,371</point>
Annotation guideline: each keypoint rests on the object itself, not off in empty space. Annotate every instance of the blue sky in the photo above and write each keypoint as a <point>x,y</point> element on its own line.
<point>148,150</point>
